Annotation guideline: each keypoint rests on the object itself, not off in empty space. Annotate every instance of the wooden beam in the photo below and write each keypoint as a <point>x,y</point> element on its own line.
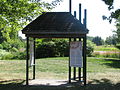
<point>80,14</point>
<point>27,62</point>
<point>74,68</point>
<point>70,6</point>
<point>34,60</point>
<point>84,60</point>
<point>69,62</point>
<point>85,18</point>
<point>79,69</point>
<point>74,13</point>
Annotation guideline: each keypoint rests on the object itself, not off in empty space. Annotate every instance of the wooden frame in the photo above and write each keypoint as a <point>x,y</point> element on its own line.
<point>75,36</point>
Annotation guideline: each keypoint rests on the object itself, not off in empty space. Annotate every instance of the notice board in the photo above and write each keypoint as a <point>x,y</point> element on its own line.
<point>76,54</point>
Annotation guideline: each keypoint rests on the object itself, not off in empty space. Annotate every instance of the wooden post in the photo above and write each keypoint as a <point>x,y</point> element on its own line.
<point>70,6</point>
<point>84,49</point>
<point>84,60</point>
<point>79,69</point>
<point>80,15</point>
<point>74,13</point>
<point>34,61</point>
<point>85,18</point>
<point>69,62</point>
<point>27,62</point>
<point>80,12</point>
<point>74,68</point>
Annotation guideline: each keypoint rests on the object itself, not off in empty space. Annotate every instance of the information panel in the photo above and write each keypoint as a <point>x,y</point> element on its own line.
<point>76,54</point>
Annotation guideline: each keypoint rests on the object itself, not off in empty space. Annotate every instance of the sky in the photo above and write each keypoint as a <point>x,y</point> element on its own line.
<point>95,10</point>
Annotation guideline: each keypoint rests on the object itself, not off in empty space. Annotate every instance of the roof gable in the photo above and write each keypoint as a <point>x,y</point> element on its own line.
<point>55,22</point>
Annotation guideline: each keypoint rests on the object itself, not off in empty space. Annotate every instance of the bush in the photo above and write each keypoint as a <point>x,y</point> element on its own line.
<point>58,47</point>
<point>1,47</point>
<point>52,48</point>
<point>19,55</point>
<point>7,56</point>
<point>90,48</point>
<point>4,54</point>
<point>46,49</point>
<point>13,49</point>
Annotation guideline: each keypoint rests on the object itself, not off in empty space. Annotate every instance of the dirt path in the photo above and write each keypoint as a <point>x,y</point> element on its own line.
<point>48,82</point>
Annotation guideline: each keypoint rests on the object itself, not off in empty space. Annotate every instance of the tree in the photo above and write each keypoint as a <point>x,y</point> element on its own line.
<point>90,38</point>
<point>114,14</point>
<point>111,40</point>
<point>118,30</point>
<point>98,40</point>
<point>14,14</point>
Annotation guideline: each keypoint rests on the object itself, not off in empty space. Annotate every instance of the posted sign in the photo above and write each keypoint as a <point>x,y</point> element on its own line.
<point>76,53</point>
<point>31,52</point>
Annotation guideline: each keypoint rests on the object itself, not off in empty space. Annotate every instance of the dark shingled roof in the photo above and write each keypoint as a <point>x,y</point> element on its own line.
<point>55,23</point>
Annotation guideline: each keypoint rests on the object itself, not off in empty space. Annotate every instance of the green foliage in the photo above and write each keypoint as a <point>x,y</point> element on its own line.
<point>15,14</point>
<point>106,51</point>
<point>58,47</point>
<point>118,32</point>
<point>19,55</point>
<point>14,49</point>
<point>90,38</point>
<point>52,48</point>
<point>2,53</point>
<point>114,13</point>
<point>107,54</point>
<point>7,56</point>
<point>118,46</point>
<point>111,40</point>
<point>106,48</point>
<point>90,48</point>
<point>98,40</point>
<point>1,47</point>
<point>9,46</point>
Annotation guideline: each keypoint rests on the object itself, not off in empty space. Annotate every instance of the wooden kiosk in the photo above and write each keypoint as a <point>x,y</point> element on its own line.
<point>58,25</point>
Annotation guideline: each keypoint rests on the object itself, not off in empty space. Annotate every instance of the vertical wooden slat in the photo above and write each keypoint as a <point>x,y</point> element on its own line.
<point>34,61</point>
<point>27,62</point>
<point>69,62</point>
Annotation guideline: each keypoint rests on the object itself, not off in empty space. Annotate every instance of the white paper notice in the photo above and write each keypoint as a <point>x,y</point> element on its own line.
<point>31,52</point>
<point>76,54</point>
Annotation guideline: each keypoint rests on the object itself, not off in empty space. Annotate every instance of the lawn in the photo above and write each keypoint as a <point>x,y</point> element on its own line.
<point>101,73</point>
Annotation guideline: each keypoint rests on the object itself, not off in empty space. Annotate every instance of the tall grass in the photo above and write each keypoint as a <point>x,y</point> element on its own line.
<point>106,48</point>
<point>107,54</point>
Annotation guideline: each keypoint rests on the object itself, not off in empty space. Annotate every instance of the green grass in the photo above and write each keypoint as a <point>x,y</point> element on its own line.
<point>106,48</point>
<point>102,73</point>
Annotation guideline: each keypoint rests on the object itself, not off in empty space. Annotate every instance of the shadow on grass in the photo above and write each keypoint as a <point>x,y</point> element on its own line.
<point>113,63</point>
<point>103,84</point>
